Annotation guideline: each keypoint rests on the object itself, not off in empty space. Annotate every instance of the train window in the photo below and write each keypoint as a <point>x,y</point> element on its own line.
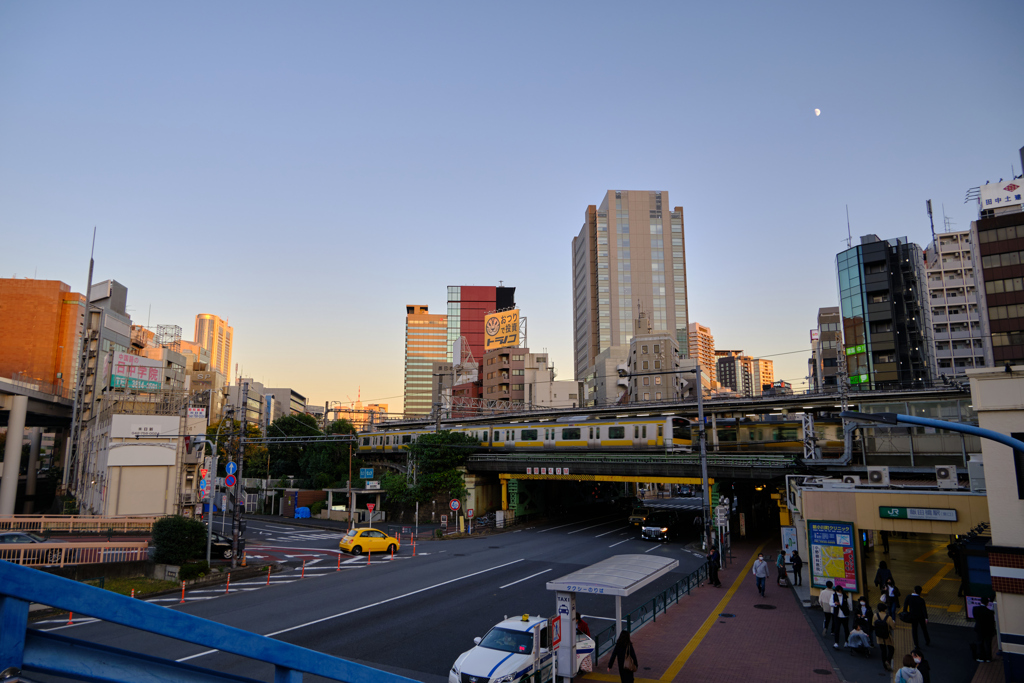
<point>644,432</point>
<point>406,438</point>
<point>616,432</point>
<point>681,430</point>
<point>571,433</point>
<point>366,441</point>
<point>661,429</point>
<point>636,431</point>
<point>528,434</point>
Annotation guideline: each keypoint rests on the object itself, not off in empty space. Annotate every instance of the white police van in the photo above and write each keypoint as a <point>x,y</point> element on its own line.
<point>513,649</point>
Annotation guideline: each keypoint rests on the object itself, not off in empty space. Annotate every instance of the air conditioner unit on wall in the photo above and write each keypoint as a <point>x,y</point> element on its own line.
<point>945,475</point>
<point>851,479</point>
<point>878,476</point>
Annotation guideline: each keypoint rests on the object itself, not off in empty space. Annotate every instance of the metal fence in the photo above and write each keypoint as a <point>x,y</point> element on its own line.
<point>62,554</point>
<point>75,524</point>
<point>604,641</point>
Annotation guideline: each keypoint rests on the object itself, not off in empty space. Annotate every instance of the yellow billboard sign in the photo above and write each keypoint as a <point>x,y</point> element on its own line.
<point>501,329</point>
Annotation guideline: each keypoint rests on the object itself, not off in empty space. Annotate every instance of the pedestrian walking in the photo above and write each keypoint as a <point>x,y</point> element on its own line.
<point>922,664</point>
<point>885,541</point>
<point>882,575</point>
<point>909,672</point>
<point>884,628</point>
<point>713,564</point>
<point>863,615</point>
<point>780,568</point>
<point>760,572</point>
<point>825,600</point>
<point>625,656</point>
<point>891,595</point>
<point>841,609</point>
<point>798,565</point>
<point>918,611</point>
<point>985,629</point>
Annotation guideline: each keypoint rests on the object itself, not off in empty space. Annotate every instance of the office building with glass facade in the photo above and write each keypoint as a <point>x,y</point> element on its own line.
<point>886,324</point>
<point>426,338</point>
<point>630,255</point>
<point>467,306</point>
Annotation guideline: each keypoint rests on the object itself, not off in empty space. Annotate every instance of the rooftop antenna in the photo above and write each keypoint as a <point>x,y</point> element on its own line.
<point>946,220</point>
<point>931,221</point>
<point>849,237</point>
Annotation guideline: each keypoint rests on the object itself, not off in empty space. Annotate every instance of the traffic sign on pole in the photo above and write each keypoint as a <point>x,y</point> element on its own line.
<point>229,480</point>
<point>202,484</point>
<point>370,506</point>
<point>455,504</point>
<point>231,468</point>
<point>469,512</point>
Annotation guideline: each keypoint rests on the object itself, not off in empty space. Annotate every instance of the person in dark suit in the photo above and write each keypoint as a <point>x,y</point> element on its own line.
<point>985,629</point>
<point>918,610</point>
<point>798,566</point>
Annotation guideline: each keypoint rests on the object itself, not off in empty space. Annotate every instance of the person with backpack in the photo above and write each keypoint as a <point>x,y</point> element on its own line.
<point>884,628</point>
<point>841,610</point>
<point>909,672</point>
<point>798,565</point>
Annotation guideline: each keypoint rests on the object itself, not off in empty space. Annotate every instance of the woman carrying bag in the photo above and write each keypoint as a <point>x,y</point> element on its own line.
<point>626,657</point>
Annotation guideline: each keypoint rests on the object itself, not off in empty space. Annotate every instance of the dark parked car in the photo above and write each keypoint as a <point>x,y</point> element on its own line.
<point>220,546</point>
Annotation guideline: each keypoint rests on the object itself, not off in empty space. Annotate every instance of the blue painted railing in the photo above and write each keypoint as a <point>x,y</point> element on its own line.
<point>30,650</point>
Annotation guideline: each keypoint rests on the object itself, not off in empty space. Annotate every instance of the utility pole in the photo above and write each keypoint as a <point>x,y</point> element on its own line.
<point>350,500</point>
<point>704,460</point>
<point>236,517</point>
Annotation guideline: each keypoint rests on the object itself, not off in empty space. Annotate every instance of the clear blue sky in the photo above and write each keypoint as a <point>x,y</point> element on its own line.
<point>308,169</point>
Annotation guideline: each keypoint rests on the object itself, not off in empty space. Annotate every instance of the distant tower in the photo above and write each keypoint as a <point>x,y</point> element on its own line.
<point>426,343</point>
<point>217,337</point>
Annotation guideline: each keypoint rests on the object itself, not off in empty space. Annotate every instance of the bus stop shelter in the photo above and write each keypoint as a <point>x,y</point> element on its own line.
<point>619,576</point>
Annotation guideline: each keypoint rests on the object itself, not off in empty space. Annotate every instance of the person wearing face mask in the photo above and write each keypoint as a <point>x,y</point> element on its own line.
<point>841,609</point>
<point>922,664</point>
<point>892,596</point>
<point>863,615</point>
<point>909,672</point>
<point>760,572</point>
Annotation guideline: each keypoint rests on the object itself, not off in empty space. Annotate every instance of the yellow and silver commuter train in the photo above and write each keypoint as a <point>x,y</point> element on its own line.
<point>626,434</point>
<point>577,434</point>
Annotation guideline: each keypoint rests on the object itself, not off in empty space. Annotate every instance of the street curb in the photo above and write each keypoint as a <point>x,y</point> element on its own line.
<point>246,573</point>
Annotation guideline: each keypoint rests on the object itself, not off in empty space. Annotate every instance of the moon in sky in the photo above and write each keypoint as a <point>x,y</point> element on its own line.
<point>817,112</point>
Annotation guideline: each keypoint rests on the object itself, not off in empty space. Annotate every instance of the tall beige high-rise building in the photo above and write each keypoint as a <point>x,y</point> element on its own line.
<point>702,349</point>
<point>426,343</point>
<point>629,255</point>
<point>763,373</point>
<point>217,337</point>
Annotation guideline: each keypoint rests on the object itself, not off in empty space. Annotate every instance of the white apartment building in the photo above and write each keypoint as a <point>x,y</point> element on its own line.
<point>958,335</point>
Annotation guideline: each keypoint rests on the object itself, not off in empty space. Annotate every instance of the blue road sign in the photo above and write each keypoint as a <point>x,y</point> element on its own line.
<point>229,481</point>
<point>231,468</point>
<point>202,484</point>
<point>366,473</point>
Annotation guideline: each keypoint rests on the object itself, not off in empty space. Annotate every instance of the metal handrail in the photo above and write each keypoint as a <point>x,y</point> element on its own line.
<point>33,650</point>
<point>648,611</point>
<point>63,554</point>
<point>77,523</point>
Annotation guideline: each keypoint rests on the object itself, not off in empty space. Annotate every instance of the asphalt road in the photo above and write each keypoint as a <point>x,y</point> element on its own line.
<point>412,616</point>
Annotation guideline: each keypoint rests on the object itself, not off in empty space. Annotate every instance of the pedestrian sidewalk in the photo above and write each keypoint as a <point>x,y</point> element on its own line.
<point>733,634</point>
<point>729,634</point>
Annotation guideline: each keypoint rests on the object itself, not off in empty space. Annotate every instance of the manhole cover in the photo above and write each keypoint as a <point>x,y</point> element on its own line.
<point>764,606</point>
<point>726,614</point>
<point>823,672</point>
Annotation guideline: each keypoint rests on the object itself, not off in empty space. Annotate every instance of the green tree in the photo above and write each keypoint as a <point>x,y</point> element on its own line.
<point>229,444</point>
<point>439,460</point>
<point>321,465</point>
<point>178,539</point>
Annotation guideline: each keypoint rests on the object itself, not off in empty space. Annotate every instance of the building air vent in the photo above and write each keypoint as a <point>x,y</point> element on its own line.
<point>878,476</point>
<point>946,476</point>
<point>851,479</point>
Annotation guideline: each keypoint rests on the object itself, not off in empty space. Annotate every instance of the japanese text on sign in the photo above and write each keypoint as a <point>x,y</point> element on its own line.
<point>833,554</point>
<point>501,329</point>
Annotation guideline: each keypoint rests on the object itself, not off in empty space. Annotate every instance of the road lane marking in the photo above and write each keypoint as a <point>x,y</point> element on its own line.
<point>612,531</point>
<point>366,607</point>
<point>562,526</point>
<point>620,542</point>
<point>588,527</point>
<point>521,580</point>
<point>654,548</point>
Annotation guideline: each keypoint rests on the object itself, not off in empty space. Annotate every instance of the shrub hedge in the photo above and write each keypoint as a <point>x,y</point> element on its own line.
<point>178,539</point>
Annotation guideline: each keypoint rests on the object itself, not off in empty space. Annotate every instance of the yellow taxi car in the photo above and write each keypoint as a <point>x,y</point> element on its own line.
<point>359,541</point>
